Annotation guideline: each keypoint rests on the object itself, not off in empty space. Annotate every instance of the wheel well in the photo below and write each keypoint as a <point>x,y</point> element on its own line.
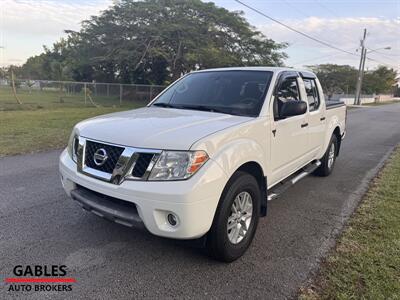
<point>338,137</point>
<point>255,170</point>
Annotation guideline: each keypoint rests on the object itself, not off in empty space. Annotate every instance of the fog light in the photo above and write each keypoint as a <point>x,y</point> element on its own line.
<point>172,219</point>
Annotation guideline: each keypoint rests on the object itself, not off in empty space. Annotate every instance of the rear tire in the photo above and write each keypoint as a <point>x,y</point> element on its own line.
<point>236,219</point>
<point>329,158</point>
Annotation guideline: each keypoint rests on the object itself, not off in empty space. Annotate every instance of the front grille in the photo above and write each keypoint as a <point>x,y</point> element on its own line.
<point>141,164</point>
<point>113,153</point>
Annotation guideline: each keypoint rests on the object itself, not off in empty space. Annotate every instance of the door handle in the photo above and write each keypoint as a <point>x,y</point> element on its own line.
<point>304,125</point>
<point>274,131</point>
<point>322,119</point>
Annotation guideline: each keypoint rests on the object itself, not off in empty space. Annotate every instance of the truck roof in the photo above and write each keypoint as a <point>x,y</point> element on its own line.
<point>271,69</point>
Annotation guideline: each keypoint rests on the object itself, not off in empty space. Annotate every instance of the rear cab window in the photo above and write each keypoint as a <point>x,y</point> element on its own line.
<point>313,97</point>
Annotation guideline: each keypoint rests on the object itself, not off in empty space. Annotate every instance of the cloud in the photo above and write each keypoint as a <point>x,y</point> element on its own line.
<point>344,33</point>
<point>25,26</point>
<point>31,18</point>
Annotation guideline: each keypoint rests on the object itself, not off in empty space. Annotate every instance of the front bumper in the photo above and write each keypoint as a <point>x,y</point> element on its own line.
<point>193,201</point>
<point>118,211</point>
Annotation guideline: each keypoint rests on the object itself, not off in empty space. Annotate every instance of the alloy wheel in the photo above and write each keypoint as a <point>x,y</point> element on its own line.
<point>240,218</point>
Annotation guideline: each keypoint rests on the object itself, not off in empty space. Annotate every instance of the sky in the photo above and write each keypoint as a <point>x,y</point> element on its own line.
<point>25,26</point>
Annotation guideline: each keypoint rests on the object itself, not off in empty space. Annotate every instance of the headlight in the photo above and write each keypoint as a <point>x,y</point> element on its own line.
<point>177,165</point>
<point>73,144</point>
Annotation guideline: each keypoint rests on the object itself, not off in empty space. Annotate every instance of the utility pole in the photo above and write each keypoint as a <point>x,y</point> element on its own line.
<point>362,76</point>
<point>357,99</point>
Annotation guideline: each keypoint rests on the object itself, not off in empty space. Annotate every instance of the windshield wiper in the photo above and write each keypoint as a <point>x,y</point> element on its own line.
<point>161,104</point>
<point>195,107</point>
<point>202,108</point>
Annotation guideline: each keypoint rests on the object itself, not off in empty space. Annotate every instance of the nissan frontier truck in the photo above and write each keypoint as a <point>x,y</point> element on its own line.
<point>202,160</point>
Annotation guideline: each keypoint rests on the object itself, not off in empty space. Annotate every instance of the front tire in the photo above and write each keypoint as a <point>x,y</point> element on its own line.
<point>329,158</point>
<point>236,219</point>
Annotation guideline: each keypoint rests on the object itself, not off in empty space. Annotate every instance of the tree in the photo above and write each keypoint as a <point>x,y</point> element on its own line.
<point>156,41</point>
<point>342,79</point>
<point>34,68</point>
<point>3,72</point>
<point>336,79</point>
<point>53,64</point>
<point>379,81</point>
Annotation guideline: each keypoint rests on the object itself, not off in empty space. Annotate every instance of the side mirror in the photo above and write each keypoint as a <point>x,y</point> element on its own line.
<point>293,108</point>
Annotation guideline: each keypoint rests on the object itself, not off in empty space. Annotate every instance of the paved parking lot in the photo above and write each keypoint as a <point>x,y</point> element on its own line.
<point>40,225</point>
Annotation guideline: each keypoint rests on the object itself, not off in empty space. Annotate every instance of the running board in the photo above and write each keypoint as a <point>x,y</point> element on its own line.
<point>281,187</point>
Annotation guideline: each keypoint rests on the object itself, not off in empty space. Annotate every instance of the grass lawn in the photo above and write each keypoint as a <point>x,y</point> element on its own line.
<point>52,99</point>
<point>381,103</point>
<point>44,122</point>
<point>365,263</point>
<point>31,131</point>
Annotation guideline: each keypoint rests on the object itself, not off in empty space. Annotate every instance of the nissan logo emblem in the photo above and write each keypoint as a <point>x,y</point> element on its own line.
<point>100,157</point>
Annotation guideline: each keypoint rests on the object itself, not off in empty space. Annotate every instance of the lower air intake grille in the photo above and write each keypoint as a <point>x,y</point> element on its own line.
<point>141,165</point>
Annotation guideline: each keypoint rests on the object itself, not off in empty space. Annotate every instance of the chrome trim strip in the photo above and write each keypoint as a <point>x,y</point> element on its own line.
<point>126,160</point>
<point>124,166</point>
<point>148,170</point>
<point>74,155</point>
<point>81,153</point>
<point>151,165</point>
<point>96,173</point>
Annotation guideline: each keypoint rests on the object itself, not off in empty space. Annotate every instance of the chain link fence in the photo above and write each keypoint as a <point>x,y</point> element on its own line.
<point>37,94</point>
<point>45,94</point>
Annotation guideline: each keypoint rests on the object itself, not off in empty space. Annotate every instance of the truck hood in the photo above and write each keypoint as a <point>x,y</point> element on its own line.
<point>157,128</point>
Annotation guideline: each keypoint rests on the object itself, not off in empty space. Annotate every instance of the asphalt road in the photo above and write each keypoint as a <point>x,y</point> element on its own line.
<point>40,225</point>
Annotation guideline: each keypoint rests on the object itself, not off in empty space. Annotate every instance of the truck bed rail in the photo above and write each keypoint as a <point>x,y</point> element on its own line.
<point>333,104</point>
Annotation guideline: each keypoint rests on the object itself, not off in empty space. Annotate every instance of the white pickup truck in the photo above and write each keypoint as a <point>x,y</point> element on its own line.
<point>205,156</point>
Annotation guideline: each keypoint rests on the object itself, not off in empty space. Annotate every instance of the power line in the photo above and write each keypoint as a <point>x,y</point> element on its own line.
<point>387,55</point>
<point>336,54</point>
<point>331,11</point>
<point>305,34</point>
<point>382,63</point>
<point>317,58</point>
<point>301,12</point>
<point>326,8</point>
<point>390,56</point>
<point>295,30</point>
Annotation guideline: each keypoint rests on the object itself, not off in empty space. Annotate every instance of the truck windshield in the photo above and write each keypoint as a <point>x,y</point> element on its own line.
<point>230,92</point>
